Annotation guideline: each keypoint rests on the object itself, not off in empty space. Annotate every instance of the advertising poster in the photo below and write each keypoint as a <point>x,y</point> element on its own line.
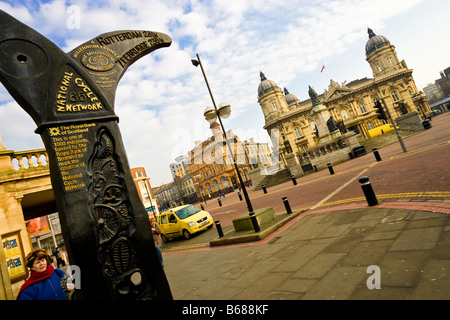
<point>14,256</point>
<point>37,225</point>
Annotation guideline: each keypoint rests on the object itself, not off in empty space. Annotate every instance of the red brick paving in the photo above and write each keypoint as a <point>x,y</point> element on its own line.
<point>423,169</point>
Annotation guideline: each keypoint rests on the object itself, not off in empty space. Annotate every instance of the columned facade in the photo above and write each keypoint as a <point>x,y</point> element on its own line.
<point>350,104</point>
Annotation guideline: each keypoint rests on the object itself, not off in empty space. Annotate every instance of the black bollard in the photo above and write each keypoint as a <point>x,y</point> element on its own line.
<point>254,221</point>
<point>220,202</point>
<point>294,181</point>
<point>330,167</point>
<point>376,154</point>
<point>286,205</point>
<point>219,228</point>
<point>368,191</point>
<point>201,206</point>
<point>264,189</point>
<point>240,196</point>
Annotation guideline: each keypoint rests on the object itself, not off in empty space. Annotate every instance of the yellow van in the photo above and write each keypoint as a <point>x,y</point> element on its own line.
<point>380,130</point>
<point>183,221</point>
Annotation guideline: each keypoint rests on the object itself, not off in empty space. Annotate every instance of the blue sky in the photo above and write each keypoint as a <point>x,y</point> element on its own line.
<point>161,98</point>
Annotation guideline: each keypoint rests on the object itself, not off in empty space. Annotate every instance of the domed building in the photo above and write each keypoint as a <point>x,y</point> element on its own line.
<point>351,105</point>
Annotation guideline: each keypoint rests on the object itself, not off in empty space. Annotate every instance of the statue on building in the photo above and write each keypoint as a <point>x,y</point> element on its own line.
<point>341,126</point>
<point>314,97</point>
<point>316,131</point>
<point>331,124</point>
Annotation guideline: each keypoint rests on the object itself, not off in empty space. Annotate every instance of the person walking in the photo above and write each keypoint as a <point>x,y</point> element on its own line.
<point>157,238</point>
<point>44,282</point>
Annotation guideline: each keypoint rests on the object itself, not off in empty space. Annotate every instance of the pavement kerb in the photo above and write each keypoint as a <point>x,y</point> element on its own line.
<point>270,230</point>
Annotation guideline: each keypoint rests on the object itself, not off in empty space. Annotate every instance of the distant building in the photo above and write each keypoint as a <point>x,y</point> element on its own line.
<point>212,167</point>
<point>433,92</point>
<point>180,167</point>
<point>144,189</point>
<point>438,93</point>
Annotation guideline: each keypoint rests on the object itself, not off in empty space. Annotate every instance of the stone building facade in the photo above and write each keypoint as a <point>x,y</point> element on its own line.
<point>351,105</point>
<point>211,164</point>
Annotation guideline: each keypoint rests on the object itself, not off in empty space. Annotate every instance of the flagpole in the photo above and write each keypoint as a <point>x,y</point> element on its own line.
<point>326,71</point>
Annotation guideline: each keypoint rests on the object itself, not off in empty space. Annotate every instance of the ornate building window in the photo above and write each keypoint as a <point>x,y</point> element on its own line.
<point>394,95</point>
<point>377,66</point>
<point>390,62</point>
<point>216,185</point>
<point>274,106</point>
<point>298,133</point>
<point>344,115</point>
<point>362,107</point>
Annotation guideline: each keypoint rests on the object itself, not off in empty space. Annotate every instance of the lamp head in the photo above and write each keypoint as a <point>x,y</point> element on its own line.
<point>210,114</point>
<point>224,110</point>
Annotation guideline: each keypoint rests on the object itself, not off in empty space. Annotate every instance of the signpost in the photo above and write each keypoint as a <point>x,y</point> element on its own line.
<point>70,97</point>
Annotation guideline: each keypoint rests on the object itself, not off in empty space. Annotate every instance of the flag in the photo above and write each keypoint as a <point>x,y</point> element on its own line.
<point>343,83</point>
<point>323,68</point>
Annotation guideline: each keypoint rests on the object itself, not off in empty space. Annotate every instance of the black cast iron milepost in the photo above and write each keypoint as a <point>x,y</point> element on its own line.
<point>70,97</point>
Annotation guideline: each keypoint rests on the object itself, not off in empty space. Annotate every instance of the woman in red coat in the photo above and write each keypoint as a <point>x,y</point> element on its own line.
<point>44,282</point>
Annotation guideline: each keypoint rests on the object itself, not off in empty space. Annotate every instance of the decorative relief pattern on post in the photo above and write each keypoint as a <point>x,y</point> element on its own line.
<point>115,224</point>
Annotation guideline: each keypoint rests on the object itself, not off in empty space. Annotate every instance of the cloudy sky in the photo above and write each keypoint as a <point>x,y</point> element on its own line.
<point>161,98</point>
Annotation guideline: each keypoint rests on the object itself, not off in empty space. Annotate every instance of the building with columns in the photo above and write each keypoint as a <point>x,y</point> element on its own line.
<point>351,105</point>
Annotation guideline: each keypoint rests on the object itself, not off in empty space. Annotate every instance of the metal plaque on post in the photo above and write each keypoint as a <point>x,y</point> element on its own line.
<point>70,97</point>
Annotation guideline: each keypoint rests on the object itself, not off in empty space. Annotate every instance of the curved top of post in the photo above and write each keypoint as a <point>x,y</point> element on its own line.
<point>54,87</point>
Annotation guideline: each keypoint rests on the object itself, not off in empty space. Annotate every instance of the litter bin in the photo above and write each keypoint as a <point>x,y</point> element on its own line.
<point>359,151</point>
<point>426,124</point>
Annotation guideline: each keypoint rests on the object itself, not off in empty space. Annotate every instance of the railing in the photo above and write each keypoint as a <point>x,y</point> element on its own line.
<point>306,155</point>
<point>32,159</point>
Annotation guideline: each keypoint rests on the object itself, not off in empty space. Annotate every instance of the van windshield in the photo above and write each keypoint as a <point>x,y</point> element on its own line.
<point>185,212</point>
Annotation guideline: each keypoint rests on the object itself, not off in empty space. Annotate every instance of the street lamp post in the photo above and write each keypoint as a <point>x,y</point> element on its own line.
<point>399,137</point>
<point>148,192</point>
<point>198,183</point>
<point>211,114</point>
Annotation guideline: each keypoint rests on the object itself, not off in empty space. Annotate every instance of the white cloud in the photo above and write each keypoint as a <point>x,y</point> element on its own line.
<point>161,98</point>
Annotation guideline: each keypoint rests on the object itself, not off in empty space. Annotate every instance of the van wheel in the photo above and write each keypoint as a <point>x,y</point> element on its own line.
<point>186,234</point>
<point>164,239</point>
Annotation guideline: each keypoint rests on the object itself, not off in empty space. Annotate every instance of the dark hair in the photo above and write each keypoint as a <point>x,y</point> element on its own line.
<point>32,256</point>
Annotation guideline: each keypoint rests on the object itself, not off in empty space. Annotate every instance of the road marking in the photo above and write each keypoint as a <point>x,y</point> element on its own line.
<point>337,190</point>
<point>341,187</point>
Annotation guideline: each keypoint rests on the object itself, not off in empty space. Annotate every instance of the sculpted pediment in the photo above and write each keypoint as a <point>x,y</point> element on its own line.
<point>337,93</point>
<point>336,90</point>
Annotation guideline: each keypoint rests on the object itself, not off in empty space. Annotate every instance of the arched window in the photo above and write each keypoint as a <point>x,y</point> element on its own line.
<point>224,182</point>
<point>344,114</point>
<point>394,95</point>
<point>216,185</point>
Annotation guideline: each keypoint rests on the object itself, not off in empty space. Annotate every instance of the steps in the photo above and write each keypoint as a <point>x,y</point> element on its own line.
<point>281,176</point>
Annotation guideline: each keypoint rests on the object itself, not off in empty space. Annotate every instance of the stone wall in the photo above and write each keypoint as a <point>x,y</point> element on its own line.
<point>410,121</point>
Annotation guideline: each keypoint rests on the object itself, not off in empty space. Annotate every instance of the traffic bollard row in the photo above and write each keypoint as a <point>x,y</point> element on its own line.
<point>264,189</point>
<point>219,228</point>
<point>330,167</point>
<point>287,205</point>
<point>368,191</point>
<point>294,181</point>
<point>376,154</point>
